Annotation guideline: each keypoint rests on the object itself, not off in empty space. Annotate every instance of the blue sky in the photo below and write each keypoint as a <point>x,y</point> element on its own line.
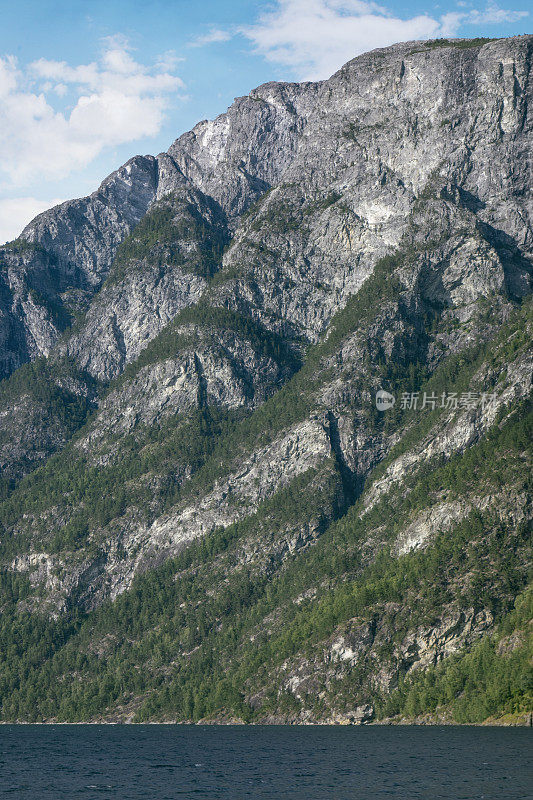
<point>84,86</point>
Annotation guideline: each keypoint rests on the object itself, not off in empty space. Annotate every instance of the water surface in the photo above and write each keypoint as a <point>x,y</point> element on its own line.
<point>163,762</point>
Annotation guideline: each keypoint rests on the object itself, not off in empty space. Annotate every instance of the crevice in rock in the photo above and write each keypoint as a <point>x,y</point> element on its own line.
<point>350,484</point>
<point>119,339</point>
<point>201,394</point>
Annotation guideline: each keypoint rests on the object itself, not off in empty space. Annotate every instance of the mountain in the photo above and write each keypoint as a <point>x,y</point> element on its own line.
<point>204,514</point>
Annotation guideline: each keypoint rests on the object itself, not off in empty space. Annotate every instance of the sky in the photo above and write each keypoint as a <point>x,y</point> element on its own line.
<point>86,85</point>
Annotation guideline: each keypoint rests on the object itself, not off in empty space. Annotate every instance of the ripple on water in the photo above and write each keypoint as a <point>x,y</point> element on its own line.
<point>47,762</point>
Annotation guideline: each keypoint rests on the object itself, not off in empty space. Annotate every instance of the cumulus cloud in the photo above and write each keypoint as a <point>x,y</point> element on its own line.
<point>314,38</point>
<point>15,213</point>
<point>114,100</point>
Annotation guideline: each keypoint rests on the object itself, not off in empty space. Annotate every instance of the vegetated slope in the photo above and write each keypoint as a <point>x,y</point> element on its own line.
<point>231,529</point>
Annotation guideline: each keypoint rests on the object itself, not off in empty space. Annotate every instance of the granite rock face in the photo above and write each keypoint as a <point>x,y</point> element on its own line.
<point>84,234</point>
<point>344,163</point>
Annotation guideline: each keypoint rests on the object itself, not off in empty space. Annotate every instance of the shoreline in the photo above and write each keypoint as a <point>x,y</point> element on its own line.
<point>524,720</point>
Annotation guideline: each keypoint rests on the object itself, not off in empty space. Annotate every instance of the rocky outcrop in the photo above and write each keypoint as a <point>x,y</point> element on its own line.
<point>160,269</point>
<point>220,370</point>
<point>465,428</point>
<point>231,499</point>
<point>32,316</point>
<point>83,235</point>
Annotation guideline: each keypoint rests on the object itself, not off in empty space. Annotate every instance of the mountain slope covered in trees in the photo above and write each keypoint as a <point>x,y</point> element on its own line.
<point>204,514</point>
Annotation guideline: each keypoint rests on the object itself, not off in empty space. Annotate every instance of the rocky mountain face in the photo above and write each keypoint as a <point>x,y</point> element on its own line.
<point>204,514</point>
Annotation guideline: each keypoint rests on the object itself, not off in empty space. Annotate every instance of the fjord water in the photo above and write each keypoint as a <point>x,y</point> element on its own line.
<point>162,762</point>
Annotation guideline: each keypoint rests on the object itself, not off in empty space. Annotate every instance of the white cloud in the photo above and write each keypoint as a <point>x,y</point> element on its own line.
<point>494,15</point>
<point>168,61</point>
<point>314,38</point>
<point>15,213</point>
<point>212,37</point>
<point>491,15</point>
<point>115,100</point>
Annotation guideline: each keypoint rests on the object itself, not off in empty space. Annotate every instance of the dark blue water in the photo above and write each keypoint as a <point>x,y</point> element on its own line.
<point>162,762</point>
